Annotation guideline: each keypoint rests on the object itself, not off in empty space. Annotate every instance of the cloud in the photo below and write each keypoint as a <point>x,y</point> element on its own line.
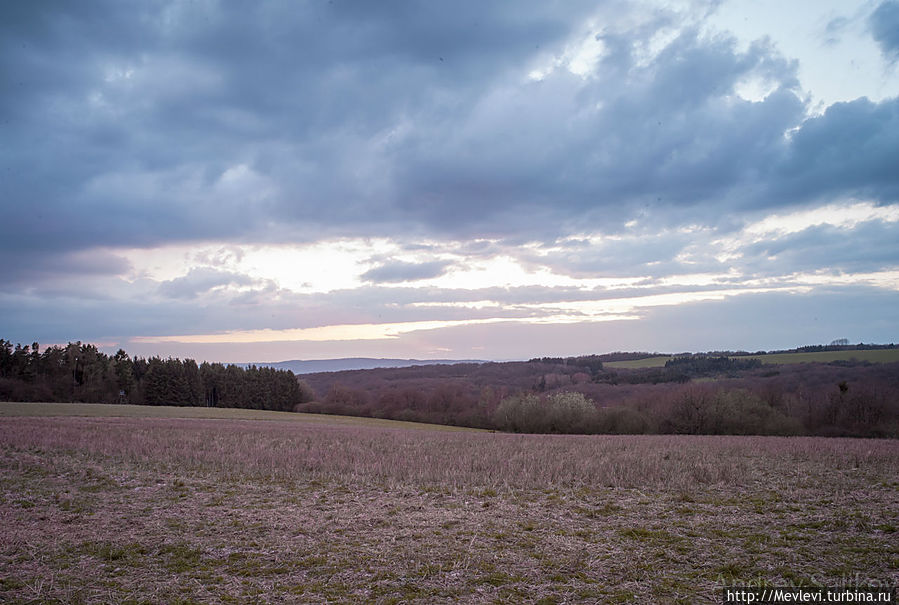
<point>884,26</point>
<point>652,254</point>
<point>395,272</point>
<point>204,167</point>
<point>850,150</point>
<point>201,280</point>
<point>764,321</point>
<point>205,122</point>
<point>829,248</point>
<point>32,266</point>
<point>834,29</point>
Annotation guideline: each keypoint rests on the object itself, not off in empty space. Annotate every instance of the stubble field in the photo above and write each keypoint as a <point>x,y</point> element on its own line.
<point>165,510</point>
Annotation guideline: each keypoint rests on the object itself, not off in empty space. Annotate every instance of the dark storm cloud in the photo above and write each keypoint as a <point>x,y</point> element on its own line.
<point>884,26</point>
<point>394,272</point>
<point>637,138</point>
<point>142,124</point>
<point>852,149</point>
<point>123,119</point>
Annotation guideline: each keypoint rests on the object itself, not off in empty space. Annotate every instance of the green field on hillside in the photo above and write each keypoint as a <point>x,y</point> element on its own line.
<point>636,364</point>
<point>874,356</point>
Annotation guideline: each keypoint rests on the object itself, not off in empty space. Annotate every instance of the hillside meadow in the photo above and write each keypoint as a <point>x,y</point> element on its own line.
<point>110,509</point>
<point>871,356</point>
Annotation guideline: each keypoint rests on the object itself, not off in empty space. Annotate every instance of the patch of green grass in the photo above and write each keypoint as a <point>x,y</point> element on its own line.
<point>496,578</point>
<point>180,557</point>
<point>125,554</point>
<point>636,364</point>
<point>873,356</point>
<point>74,504</point>
<point>654,536</point>
<point>11,584</point>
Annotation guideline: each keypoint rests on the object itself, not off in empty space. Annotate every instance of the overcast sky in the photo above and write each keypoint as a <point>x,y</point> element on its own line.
<point>264,181</point>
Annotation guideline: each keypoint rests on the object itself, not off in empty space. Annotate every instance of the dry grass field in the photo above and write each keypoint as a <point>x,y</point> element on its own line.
<point>175,510</point>
<point>104,410</point>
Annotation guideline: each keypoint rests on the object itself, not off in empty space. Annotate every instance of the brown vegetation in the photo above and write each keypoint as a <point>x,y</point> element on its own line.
<point>692,393</point>
<point>702,396</point>
<point>164,510</point>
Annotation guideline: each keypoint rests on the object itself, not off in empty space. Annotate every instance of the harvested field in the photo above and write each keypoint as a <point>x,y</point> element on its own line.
<point>164,510</point>
<point>106,410</point>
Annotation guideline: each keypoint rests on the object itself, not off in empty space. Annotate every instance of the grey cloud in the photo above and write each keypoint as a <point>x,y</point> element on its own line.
<point>834,29</point>
<point>127,126</point>
<point>852,149</point>
<point>201,280</point>
<point>33,266</point>
<point>751,321</point>
<point>394,272</point>
<point>338,110</point>
<point>884,26</point>
<point>122,120</point>
<point>652,255</point>
<point>773,320</point>
<point>868,247</point>
<point>549,155</point>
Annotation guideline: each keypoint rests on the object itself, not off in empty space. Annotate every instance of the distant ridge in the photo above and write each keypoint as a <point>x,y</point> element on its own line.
<point>311,366</point>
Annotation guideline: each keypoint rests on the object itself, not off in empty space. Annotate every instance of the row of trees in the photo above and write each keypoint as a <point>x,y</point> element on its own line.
<point>706,409</point>
<point>755,407</point>
<point>80,372</point>
<point>555,395</point>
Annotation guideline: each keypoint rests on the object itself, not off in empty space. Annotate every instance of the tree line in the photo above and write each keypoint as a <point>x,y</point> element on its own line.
<point>80,372</point>
<point>697,394</point>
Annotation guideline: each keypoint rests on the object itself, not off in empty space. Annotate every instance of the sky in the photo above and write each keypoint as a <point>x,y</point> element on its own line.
<point>266,181</point>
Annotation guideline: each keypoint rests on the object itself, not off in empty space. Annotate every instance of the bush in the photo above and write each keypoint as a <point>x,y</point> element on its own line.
<point>565,412</point>
<point>736,412</point>
<point>521,414</point>
<point>623,420</point>
<point>570,412</point>
<point>307,394</point>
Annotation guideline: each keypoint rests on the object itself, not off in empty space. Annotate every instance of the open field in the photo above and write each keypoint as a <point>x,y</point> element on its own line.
<point>103,410</point>
<point>164,510</point>
<point>636,364</point>
<point>874,356</point>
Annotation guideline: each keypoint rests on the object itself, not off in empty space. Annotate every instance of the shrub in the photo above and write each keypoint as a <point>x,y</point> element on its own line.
<point>564,412</point>
<point>521,413</point>
<point>570,412</point>
<point>623,420</point>
<point>307,394</point>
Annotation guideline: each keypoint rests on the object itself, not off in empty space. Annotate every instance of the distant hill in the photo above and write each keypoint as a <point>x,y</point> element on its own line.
<point>313,366</point>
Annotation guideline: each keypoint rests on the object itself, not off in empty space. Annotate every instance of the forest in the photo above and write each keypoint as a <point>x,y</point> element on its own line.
<point>691,394</point>
<point>717,393</point>
<point>80,372</point>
